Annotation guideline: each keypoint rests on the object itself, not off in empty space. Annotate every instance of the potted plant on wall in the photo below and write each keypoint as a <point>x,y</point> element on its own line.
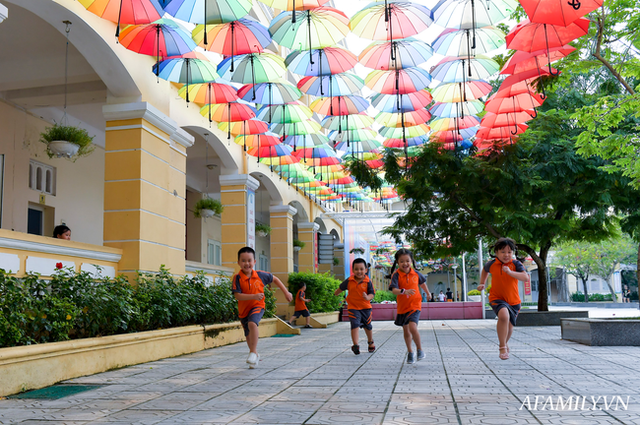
<point>207,207</point>
<point>67,141</point>
<point>298,245</point>
<point>263,230</point>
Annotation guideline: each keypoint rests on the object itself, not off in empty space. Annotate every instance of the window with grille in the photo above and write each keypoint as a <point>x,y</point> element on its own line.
<point>42,177</point>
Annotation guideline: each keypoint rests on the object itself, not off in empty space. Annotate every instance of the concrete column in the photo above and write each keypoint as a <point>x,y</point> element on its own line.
<point>238,219</point>
<point>145,188</point>
<point>281,218</point>
<point>307,233</point>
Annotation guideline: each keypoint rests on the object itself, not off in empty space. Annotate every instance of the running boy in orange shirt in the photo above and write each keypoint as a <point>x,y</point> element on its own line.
<point>248,288</point>
<point>405,283</point>
<point>301,307</point>
<point>503,297</point>
<point>359,296</point>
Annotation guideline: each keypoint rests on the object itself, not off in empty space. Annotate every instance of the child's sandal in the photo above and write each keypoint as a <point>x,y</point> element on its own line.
<point>504,356</point>
<point>355,349</point>
<point>372,347</point>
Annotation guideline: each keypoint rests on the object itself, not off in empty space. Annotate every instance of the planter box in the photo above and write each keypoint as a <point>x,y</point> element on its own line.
<point>320,320</point>
<point>602,332</point>
<point>41,365</point>
<point>430,311</point>
<point>542,318</point>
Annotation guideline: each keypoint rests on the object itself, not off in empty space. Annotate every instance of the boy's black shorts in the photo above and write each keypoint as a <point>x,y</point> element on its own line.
<point>255,316</point>
<point>303,313</point>
<point>404,318</point>
<point>360,319</point>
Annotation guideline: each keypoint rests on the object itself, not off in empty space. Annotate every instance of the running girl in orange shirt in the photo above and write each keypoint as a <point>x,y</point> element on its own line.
<point>405,283</point>
<point>503,297</point>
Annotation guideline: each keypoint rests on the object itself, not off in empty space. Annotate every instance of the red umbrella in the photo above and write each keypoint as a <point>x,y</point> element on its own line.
<point>516,103</point>
<point>525,61</point>
<point>526,76</point>
<point>532,37</point>
<point>128,12</point>
<point>558,12</point>
<point>503,120</point>
<point>251,126</point>
<point>503,133</point>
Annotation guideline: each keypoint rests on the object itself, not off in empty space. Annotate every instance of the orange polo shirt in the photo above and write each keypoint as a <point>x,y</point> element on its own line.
<point>412,280</point>
<point>241,284</point>
<point>503,286</point>
<point>300,304</point>
<point>355,300</point>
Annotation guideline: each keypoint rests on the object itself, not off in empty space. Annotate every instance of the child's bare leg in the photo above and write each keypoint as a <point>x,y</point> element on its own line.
<point>355,335</point>
<point>252,338</point>
<point>369,333</point>
<point>503,328</point>
<point>407,338</point>
<point>413,328</point>
<point>308,319</point>
<point>509,335</point>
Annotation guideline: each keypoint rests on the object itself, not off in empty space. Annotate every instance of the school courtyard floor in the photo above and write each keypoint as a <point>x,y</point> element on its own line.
<point>314,378</point>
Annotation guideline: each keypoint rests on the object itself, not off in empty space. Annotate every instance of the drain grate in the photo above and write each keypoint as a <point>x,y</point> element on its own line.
<point>282,335</point>
<point>55,392</point>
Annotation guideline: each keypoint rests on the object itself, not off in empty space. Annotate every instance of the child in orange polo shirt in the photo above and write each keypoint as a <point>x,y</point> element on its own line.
<point>405,283</point>
<point>301,307</point>
<point>248,288</point>
<point>503,296</point>
<point>359,296</point>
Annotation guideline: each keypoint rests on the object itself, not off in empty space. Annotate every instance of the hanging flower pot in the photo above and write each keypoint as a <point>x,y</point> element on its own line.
<point>263,230</point>
<point>298,245</point>
<point>65,141</point>
<point>207,207</point>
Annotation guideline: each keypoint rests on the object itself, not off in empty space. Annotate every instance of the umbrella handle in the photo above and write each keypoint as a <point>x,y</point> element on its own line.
<point>546,38</point>
<point>293,13</point>
<point>473,23</point>
<point>118,24</point>
<point>232,44</point>
<point>309,26</point>
<point>544,94</point>
<point>535,113</point>
<point>205,23</point>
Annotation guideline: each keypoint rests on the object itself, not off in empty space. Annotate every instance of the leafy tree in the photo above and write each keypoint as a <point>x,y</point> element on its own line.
<point>610,255</point>
<point>578,259</point>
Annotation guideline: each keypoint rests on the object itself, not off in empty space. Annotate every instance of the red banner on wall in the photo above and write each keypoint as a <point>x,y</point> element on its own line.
<point>527,286</point>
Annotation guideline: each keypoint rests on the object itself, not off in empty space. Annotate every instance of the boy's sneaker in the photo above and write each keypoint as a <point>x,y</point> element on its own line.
<point>307,327</point>
<point>253,358</point>
<point>411,359</point>
<point>256,364</point>
<point>421,355</point>
<point>355,349</point>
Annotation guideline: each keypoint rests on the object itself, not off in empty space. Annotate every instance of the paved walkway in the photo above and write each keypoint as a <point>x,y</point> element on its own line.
<point>315,379</point>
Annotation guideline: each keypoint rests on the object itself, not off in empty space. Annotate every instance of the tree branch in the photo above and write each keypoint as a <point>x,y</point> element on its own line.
<point>475,217</point>
<point>596,54</point>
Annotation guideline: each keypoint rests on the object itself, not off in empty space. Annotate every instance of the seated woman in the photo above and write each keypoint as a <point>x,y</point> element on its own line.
<point>62,232</point>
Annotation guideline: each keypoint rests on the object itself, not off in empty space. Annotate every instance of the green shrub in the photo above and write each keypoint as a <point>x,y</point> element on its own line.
<point>474,292</point>
<point>73,305</point>
<point>384,296</point>
<point>579,297</point>
<point>269,302</point>
<point>320,289</point>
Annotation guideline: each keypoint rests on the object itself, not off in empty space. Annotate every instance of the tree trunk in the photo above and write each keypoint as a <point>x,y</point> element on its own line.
<point>541,262</point>
<point>638,269</point>
<point>614,297</point>
<point>584,286</point>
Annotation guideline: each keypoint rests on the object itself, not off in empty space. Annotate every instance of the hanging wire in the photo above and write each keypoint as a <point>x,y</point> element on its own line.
<point>66,71</point>
<point>206,163</point>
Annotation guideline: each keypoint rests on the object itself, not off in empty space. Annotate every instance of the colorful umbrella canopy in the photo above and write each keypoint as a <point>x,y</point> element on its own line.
<point>233,38</point>
<point>339,105</point>
<point>270,151</point>
<point>460,69</point>
<point>270,93</point>
<point>353,135</point>
<point>403,119</point>
<point>459,109</point>
<point>232,111</point>
<point>306,140</point>
<point>505,119</point>
<point>208,11</point>
<point>400,132</point>
<point>515,103</point>
<point>458,92</point>
<point>445,124</point>
<point>390,20</point>
<point>401,81</point>
<point>503,133</point>
<point>452,42</point>
<point>469,14</point>
<point>346,122</point>
<point>401,103</point>
<point>250,126</point>
<point>361,146</point>
<point>294,4</point>
<point>253,68</point>
<point>404,143</point>
<point>209,93</point>
<point>186,71</point>
<point>163,38</point>
<point>309,29</point>
<point>296,128</point>
<point>286,113</point>
<point>558,12</point>
<point>397,54</point>
<point>332,85</point>
<point>330,60</point>
<point>128,12</point>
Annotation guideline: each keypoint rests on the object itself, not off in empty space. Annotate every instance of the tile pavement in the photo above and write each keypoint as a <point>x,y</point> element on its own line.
<point>315,379</point>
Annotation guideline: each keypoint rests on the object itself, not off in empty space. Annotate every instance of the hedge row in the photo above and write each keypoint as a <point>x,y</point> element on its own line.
<point>74,305</point>
<point>320,289</point>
